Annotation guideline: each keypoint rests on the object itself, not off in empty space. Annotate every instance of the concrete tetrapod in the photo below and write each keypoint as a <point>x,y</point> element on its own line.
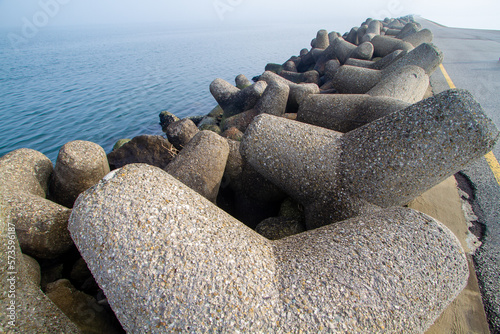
<point>41,225</point>
<point>169,260</point>
<point>346,112</point>
<point>384,163</point>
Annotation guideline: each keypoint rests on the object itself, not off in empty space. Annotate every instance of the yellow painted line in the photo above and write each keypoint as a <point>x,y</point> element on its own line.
<point>447,77</point>
<point>490,157</point>
<point>494,165</point>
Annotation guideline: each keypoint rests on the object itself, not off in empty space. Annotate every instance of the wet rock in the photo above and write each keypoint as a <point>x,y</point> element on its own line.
<point>152,150</point>
<point>120,143</point>
<point>200,165</point>
<point>211,127</point>
<point>181,132</point>
<point>167,118</point>
<point>80,164</point>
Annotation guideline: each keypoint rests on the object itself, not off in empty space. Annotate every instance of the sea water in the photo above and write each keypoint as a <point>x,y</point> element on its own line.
<point>102,84</point>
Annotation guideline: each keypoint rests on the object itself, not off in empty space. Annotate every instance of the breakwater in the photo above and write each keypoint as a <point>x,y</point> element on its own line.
<point>281,210</point>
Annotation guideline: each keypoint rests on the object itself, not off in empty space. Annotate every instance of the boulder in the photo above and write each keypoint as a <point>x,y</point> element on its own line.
<point>80,164</point>
<point>167,118</point>
<point>196,268</point>
<point>200,165</point>
<point>181,132</point>
<point>120,143</point>
<point>152,150</point>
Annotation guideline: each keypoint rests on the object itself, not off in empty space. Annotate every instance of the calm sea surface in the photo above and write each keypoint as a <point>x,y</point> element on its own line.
<point>104,84</point>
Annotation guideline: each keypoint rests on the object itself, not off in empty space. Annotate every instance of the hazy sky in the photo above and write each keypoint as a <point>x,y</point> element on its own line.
<point>458,13</point>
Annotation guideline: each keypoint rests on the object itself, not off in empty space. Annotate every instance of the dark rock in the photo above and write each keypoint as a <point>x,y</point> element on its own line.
<point>80,165</point>
<point>275,68</point>
<point>166,118</point>
<point>197,119</point>
<point>82,309</point>
<point>292,209</point>
<point>120,143</point>
<point>51,273</point>
<point>211,127</point>
<point>80,272</point>
<point>181,132</point>
<point>209,120</point>
<point>290,66</point>
<point>152,150</point>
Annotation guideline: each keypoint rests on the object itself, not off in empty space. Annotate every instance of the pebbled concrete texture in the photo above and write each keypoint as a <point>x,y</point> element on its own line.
<point>34,312</point>
<point>191,267</point>
<point>387,162</point>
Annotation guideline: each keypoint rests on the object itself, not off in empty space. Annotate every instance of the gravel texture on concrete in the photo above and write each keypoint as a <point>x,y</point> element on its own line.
<point>201,164</point>
<point>387,162</point>
<point>34,312</point>
<point>41,225</point>
<point>80,164</point>
<point>169,260</point>
<point>346,112</point>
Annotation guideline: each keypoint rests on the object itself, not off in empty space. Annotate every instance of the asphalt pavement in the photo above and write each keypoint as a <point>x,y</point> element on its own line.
<point>472,61</point>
